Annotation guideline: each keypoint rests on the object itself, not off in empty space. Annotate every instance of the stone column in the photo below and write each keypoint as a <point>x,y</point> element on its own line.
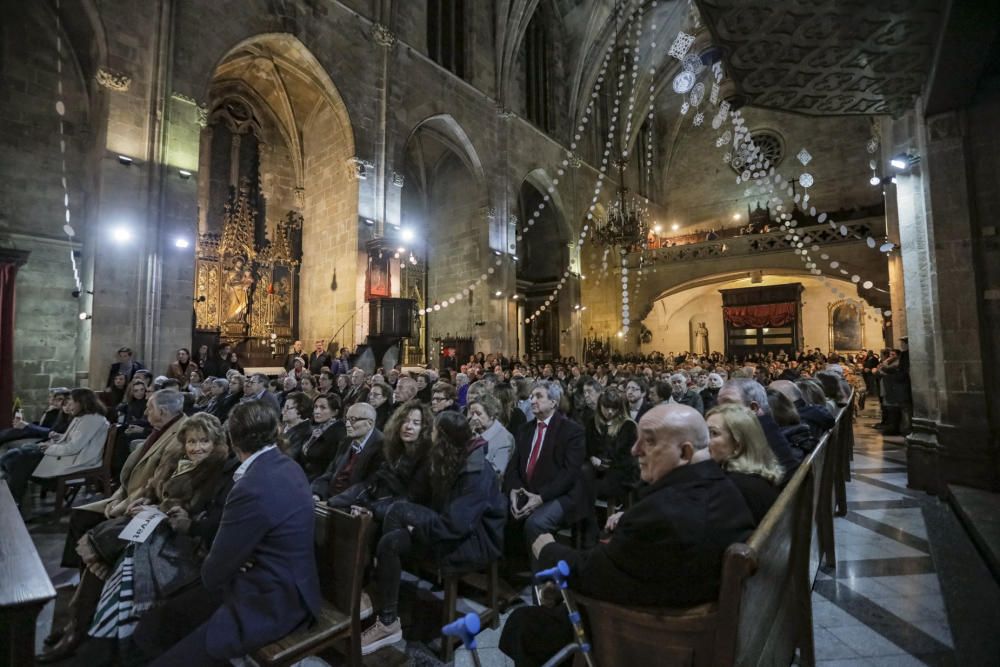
<point>949,442</point>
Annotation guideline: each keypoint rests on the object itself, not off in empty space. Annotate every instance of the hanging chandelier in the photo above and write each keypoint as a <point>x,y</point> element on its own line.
<point>625,225</point>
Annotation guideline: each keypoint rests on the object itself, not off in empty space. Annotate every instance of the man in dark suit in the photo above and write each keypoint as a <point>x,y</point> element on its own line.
<point>318,358</point>
<point>358,458</point>
<point>125,364</point>
<point>664,551</point>
<point>219,365</point>
<point>262,560</point>
<point>297,352</point>
<point>543,479</point>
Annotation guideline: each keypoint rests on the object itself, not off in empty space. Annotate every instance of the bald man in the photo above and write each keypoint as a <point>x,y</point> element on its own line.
<point>664,551</point>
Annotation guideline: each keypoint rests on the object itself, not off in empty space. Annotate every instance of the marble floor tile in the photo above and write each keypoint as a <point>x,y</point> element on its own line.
<point>865,641</point>
<point>828,647</point>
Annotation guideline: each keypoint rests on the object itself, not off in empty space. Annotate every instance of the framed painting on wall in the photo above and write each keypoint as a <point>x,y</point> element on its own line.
<point>847,326</point>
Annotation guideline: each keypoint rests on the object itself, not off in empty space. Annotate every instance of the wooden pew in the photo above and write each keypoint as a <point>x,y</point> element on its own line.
<point>341,556</point>
<point>764,612</point>
<point>24,586</point>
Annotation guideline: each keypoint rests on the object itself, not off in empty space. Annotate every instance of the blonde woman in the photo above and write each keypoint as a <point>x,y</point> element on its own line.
<point>738,444</point>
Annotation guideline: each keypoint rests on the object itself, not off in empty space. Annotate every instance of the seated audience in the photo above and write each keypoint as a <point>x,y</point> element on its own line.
<point>511,418</point>
<point>635,396</point>
<point>710,394</point>
<point>380,398</point>
<point>406,390</point>
<point>262,563</point>
<point>460,527</point>
<point>52,419</point>
<point>404,474</point>
<point>237,385</point>
<point>423,381</point>
<point>355,391</point>
<point>684,394</point>
<point>328,432</point>
<point>234,363</point>
<point>190,486</point>
<point>218,365</point>
<point>817,417</point>
<point>81,447</point>
<point>296,352</point>
<point>543,478</point>
<point>443,397</point>
<point>359,457</point>
<point>257,390</point>
<point>483,414</point>
<point>118,391</point>
<point>751,394</point>
<point>798,434</point>
<point>737,443</point>
<point>664,551</point>
<point>296,429</point>
<point>609,446</point>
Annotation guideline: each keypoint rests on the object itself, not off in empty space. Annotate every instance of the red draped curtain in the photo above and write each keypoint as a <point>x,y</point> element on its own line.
<point>8,274</point>
<point>762,315</point>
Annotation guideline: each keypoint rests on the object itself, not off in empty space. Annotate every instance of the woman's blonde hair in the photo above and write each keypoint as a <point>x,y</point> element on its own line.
<point>753,455</point>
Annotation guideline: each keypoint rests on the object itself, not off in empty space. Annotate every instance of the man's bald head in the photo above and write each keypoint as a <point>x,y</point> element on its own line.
<point>669,435</point>
<point>787,388</point>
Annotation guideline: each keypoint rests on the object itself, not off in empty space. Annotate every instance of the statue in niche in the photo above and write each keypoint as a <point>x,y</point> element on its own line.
<point>239,282</point>
<point>701,339</point>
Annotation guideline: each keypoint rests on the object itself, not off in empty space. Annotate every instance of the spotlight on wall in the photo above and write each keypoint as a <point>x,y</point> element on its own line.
<point>875,180</point>
<point>620,334</point>
<point>657,228</point>
<point>407,234</point>
<point>200,299</point>
<point>85,316</point>
<point>904,161</point>
<point>497,253</point>
<point>76,293</point>
<point>184,174</point>
<point>736,216</point>
<point>121,234</point>
<point>674,227</point>
<point>125,160</point>
<point>498,293</point>
<point>182,243</point>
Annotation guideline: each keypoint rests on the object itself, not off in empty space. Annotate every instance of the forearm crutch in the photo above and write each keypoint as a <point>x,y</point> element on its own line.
<point>560,575</point>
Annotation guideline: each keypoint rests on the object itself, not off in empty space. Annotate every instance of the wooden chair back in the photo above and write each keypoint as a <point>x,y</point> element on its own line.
<point>341,555</point>
<point>626,636</point>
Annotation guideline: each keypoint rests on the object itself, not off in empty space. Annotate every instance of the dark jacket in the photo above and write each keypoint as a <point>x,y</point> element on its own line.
<point>468,528</point>
<point>318,452</point>
<point>220,406</point>
<point>801,437</point>
<point>558,470</point>
<point>267,521</point>
<point>136,366</point>
<point>368,461</point>
<point>709,398</point>
<point>620,470</point>
<point>817,417</point>
<point>692,398</point>
<point>317,361</point>
<point>296,437</point>
<point>758,493</point>
<point>217,366</point>
<point>788,457</point>
<point>408,478</point>
<point>668,548</point>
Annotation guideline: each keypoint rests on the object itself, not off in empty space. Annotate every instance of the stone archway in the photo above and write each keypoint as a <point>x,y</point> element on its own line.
<point>279,132</point>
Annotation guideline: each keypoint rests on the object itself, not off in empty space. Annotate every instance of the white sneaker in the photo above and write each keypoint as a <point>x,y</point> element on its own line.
<point>380,635</point>
<point>366,606</point>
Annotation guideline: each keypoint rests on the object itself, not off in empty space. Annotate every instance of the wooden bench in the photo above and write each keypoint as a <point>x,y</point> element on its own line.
<point>341,557</point>
<point>764,612</point>
<point>24,586</point>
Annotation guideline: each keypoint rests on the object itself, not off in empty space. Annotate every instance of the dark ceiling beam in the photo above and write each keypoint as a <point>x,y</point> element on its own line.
<point>970,28</point>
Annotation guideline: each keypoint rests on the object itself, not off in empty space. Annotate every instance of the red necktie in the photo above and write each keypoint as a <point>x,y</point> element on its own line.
<point>536,450</point>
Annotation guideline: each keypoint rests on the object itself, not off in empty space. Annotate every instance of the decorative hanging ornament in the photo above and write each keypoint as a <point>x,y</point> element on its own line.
<point>806,179</point>
<point>682,43</point>
<point>804,157</point>
<point>684,82</point>
<point>697,94</point>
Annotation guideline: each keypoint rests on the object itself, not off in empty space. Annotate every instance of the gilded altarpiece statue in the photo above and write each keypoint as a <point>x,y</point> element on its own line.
<point>245,289</point>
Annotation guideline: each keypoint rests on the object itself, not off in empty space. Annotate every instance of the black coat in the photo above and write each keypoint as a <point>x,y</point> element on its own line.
<point>758,493</point>
<point>136,366</point>
<point>668,548</point>
<point>619,473</point>
<point>364,467</point>
<point>318,361</point>
<point>788,457</point>
<point>559,470</point>
<point>297,436</point>
<point>692,398</point>
<point>800,436</point>
<point>468,527</point>
<point>317,453</point>
<point>817,417</point>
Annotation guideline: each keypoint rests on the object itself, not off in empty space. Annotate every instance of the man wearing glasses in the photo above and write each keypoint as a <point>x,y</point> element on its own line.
<point>359,457</point>
<point>256,390</point>
<point>443,398</point>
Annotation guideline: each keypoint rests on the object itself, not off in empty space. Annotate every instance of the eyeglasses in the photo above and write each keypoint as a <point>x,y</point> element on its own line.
<point>438,399</point>
<point>352,420</point>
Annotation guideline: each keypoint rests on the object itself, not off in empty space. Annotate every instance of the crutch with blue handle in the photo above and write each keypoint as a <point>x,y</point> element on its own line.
<point>465,629</point>
<point>559,575</point>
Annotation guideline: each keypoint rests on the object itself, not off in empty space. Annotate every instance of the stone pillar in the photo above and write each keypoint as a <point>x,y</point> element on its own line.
<point>10,262</point>
<point>950,434</point>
